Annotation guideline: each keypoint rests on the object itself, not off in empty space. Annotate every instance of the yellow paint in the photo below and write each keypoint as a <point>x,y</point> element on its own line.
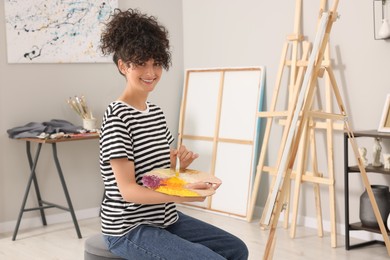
<point>175,186</point>
<point>177,192</point>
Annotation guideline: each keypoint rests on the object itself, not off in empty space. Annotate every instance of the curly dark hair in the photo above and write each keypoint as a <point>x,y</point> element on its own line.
<point>135,38</point>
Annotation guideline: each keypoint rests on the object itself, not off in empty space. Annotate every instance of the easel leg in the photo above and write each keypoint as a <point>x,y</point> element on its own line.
<point>270,246</point>
<point>272,185</point>
<point>298,179</point>
<point>286,202</point>
<point>317,194</point>
<point>316,186</point>
<point>329,138</point>
<point>270,253</point>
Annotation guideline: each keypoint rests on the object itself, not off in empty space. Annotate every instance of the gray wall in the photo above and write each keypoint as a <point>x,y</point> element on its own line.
<point>215,33</point>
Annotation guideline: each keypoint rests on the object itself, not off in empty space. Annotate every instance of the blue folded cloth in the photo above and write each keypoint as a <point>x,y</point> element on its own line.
<point>34,129</point>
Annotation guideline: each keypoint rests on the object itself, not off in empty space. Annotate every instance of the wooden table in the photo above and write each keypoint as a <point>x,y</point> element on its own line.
<point>42,204</point>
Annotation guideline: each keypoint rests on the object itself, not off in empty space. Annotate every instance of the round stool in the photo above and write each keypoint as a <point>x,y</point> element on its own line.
<point>95,249</point>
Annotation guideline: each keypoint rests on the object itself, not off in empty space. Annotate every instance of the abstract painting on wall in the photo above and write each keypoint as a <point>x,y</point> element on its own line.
<point>56,31</point>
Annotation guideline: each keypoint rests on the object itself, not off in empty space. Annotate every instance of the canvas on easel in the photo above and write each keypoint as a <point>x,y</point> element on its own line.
<point>218,120</point>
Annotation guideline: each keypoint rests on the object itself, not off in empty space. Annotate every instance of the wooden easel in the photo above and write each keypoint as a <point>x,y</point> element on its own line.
<point>293,132</point>
<point>297,70</point>
<point>294,39</point>
<point>308,139</point>
<point>291,136</point>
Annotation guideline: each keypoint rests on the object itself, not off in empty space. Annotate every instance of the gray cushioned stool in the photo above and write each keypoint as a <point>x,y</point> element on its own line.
<point>95,249</point>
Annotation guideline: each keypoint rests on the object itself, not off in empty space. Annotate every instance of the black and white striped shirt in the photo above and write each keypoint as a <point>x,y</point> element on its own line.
<point>144,138</point>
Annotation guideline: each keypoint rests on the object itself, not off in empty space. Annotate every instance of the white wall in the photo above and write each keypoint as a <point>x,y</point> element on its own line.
<point>247,33</point>
<point>37,92</point>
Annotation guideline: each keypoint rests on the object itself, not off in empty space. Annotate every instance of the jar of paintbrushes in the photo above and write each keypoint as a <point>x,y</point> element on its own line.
<point>80,106</point>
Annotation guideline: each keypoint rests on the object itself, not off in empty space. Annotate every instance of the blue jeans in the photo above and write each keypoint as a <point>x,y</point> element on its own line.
<point>187,239</point>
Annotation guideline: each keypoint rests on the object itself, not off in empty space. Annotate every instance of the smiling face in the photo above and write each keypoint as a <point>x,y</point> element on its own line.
<point>142,77</point>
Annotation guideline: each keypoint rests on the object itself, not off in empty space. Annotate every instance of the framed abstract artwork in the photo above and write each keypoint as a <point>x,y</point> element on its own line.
<point>55,31</point>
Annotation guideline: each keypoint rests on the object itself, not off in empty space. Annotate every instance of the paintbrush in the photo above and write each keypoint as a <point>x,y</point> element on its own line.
<point>79,105</point>
<point>177,169</point>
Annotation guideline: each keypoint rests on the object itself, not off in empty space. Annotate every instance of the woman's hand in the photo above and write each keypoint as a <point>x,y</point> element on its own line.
<point>186,157</point>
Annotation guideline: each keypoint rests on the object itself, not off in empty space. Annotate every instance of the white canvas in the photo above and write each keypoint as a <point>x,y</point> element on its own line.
<point>220,123</point>
<point>239,104</point>
<point>201,105</point>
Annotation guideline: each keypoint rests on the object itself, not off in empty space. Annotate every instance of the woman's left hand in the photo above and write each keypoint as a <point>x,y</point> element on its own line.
<point>186,157</point>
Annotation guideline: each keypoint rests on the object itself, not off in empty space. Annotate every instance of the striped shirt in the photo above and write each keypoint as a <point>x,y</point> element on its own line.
<point>144,138</point>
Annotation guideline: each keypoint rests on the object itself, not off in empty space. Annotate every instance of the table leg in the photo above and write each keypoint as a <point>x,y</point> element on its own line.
<point>59,170</point>
<point>35,180</point>
<point>33,165</point>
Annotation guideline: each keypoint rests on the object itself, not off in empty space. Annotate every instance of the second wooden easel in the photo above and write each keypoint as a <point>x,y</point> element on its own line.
<point>293,132</point>
<point>308,144</point>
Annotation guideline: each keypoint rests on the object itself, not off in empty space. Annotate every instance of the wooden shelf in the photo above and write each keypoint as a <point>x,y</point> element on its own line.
<point>355,169</point>
<point>371,133</point>
<point>369,168</point>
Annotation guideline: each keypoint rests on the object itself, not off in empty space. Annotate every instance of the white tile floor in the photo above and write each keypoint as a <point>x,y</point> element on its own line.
<point>59,241</point>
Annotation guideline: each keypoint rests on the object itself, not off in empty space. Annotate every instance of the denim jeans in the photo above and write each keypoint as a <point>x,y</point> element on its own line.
<point>187,239</point>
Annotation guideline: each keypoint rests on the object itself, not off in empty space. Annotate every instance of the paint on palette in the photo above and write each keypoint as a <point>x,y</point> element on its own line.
<point>171,186</point>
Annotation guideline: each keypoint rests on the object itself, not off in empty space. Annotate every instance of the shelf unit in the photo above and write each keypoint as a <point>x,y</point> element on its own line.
<point>353,169</point>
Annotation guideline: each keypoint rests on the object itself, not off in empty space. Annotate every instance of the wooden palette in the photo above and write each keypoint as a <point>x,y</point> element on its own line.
<point>166,181</point>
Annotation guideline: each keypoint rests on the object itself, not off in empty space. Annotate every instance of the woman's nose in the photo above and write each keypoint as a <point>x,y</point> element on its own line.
<point>149,70</point>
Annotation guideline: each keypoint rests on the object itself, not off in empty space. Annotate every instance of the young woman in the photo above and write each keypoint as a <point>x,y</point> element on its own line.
<point>137,222</point>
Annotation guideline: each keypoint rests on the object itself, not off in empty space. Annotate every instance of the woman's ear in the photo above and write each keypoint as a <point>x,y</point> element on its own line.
<point>122,67</point>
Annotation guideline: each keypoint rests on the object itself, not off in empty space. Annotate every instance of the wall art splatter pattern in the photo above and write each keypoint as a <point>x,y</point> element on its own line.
<point>56,31</point>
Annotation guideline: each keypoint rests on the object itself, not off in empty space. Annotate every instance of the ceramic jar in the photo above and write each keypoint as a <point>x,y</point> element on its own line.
<point>382,197</point>
<point>388,222</point>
